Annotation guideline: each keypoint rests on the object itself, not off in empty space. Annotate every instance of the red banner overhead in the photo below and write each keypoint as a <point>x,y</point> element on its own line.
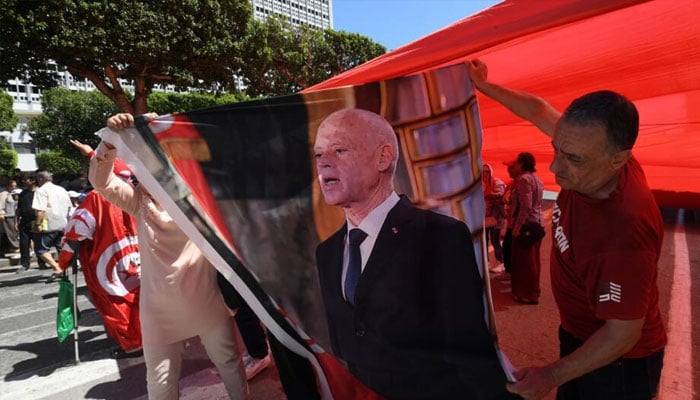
<point>647,50</point>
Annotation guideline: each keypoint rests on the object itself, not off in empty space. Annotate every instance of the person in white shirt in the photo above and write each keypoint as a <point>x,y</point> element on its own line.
<point>51,203</point>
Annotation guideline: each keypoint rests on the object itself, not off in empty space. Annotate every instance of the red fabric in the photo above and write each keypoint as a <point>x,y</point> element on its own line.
<point>560,50</point>
<point>526,265</point>
<point>109,257</point>
<point>343,384</point>
<point>181,128</point>
<point>606,268</point>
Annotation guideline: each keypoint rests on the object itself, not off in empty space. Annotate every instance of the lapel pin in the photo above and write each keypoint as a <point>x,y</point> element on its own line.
<point>395,230</point>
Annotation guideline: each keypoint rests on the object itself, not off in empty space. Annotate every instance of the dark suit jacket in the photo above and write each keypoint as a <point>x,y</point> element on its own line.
<point>417,330</point>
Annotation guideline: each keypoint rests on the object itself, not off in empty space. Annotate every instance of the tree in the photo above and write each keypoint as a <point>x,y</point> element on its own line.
<point>283,59</point>
<point>69,115</point>
<point>78,115</point>
<point>8,118</point>
<point>8,162</point>
<point>166,103</point>
<point>57,163</point>
<point>188,43</point>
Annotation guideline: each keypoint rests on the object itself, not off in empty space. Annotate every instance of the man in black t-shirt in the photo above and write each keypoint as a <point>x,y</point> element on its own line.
<point>25,217</point>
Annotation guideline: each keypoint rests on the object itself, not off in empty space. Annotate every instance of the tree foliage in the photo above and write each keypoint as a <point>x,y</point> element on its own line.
<point>8,162</point>
<point>8,118</point>
<point>212,45</point>
<point>188,43</point>
<point>78,115</point>
<point>70,115</point>
<point>166,103</point>
<point>57,163</point>
<point>282,59</point>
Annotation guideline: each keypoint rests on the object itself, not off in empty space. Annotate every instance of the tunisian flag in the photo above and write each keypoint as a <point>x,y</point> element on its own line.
<point>109,257</point>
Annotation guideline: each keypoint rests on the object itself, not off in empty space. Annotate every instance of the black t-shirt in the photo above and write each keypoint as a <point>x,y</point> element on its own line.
<point>25,212</point>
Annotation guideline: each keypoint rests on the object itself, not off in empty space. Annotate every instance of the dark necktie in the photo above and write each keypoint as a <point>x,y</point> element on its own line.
<point>355,238</point>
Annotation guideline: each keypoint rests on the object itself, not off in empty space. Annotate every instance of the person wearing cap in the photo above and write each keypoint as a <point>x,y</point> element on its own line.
<point>104,238</point>
<point>525,211</point>
<point>8,203</point>
<point>607,234</point>
<point>51,203</point>
<point>74,199</point>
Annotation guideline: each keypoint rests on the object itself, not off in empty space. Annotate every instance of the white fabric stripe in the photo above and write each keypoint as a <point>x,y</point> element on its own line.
<point>130,138</point>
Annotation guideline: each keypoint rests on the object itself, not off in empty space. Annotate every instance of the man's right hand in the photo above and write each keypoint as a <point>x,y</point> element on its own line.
<point>478,71</point>
<point>120,121</point>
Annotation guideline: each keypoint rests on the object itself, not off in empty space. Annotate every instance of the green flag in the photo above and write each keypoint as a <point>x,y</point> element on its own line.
<point>65,321</point>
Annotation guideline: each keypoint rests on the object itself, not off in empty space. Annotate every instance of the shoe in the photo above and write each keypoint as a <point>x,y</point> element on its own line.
<point>254,366</point>
<point>56,276</point>
<point>525,301</point>
<point>119,354</point>
<point>21,269</point>
<point>497,268</point>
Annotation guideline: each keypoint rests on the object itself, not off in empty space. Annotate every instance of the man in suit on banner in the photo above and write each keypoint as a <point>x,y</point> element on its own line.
<point>403,295</point>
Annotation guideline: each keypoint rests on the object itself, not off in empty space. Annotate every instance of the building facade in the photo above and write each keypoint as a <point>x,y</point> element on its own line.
<point>316,13</point>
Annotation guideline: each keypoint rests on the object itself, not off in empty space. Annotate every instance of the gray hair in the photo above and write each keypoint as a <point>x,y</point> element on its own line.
<point>42,174</point>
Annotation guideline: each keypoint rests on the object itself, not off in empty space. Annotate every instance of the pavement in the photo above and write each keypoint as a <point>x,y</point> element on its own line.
<point>527,334</point>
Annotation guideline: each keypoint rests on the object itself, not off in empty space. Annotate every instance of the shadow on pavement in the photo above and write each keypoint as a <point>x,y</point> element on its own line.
<point>51,355</point>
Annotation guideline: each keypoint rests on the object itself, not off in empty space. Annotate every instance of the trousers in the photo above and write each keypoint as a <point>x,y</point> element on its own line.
<point>164,364</point>
<point>623,379</point>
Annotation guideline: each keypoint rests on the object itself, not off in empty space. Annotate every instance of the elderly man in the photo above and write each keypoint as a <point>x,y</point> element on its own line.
<point>51,204</point>
<point>607,234</point>
<point>403,296</point>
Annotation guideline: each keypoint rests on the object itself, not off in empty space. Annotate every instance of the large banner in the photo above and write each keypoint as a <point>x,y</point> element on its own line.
<point>240,181</point>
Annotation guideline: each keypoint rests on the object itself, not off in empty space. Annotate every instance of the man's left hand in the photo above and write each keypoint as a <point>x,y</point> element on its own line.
<point>533,383</point>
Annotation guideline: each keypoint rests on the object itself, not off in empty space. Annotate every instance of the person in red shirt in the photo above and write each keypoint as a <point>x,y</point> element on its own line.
<point>104,238</point>
<point>607,233</point>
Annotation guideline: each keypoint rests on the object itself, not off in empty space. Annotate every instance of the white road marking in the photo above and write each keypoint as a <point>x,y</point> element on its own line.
<point>38,387</point>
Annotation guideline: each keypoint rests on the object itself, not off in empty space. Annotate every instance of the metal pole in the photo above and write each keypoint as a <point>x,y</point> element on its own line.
<point>74,266</point>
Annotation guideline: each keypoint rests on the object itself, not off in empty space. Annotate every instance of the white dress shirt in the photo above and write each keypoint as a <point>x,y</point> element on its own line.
<point>371,225</point>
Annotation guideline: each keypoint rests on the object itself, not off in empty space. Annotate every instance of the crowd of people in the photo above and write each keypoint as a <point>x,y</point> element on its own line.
<point>401,288</point>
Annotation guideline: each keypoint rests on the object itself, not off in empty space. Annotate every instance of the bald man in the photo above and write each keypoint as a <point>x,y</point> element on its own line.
<point>403,296</point>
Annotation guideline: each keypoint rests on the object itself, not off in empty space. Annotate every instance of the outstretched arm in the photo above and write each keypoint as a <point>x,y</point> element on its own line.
<point>85,149</point>
<point>101,176</point>
<point>525,105</point>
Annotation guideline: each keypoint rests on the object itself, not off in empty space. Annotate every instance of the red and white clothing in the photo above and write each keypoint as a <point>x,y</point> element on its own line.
<point>109,257</point>
<point>604,260</point>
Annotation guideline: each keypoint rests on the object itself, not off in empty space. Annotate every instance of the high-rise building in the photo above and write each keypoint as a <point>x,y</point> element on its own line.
<point>317,13</point>
<point>27,96</point>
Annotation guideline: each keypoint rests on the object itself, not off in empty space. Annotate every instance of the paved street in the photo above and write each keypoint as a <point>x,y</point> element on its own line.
<point>33,365</point>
